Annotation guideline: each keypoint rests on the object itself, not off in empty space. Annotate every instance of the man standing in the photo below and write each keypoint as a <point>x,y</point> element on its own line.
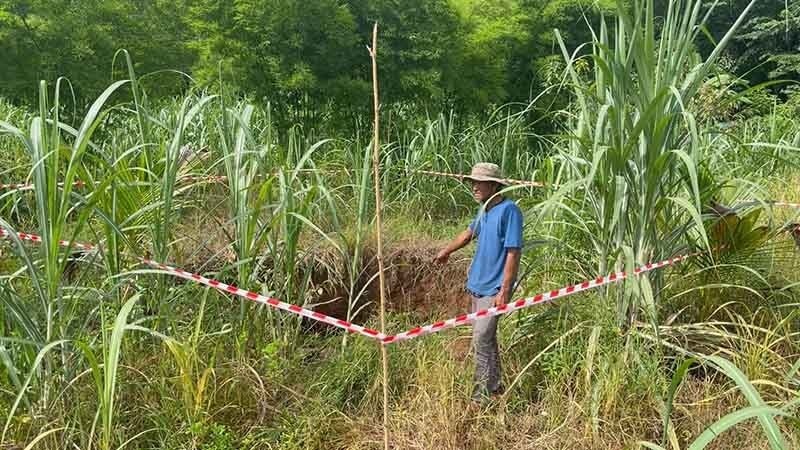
<point>493,272</point>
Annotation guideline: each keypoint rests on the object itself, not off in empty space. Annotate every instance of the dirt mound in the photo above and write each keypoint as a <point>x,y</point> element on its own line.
<point>417,284</point>
<point>414,283</point>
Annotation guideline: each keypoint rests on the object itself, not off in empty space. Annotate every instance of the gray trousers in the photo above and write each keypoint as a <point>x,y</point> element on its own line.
<point>487,380</point>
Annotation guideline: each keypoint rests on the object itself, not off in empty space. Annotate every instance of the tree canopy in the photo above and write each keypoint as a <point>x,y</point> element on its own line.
<point>471,53</point>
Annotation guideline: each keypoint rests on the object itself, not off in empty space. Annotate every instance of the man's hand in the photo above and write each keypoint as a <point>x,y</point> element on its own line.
<point>502,297</point>
<point>442,256</point>
<point>509,274</point>
<point>461,240</point>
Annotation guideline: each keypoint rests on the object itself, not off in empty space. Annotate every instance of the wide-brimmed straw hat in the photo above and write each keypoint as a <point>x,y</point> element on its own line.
<point>486,172</point>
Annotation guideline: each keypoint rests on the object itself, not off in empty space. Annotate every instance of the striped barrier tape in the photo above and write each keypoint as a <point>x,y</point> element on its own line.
<point>27,186</point>
<point>461,177</point>
<point>546,297</point>
<point>263,299</point>
<point>15,186</point>
<point>226,288</point>
<point>38,239</point>
<point>186,178</point>
<point>223,178</point>
<point>79,183</point>
<point>204,178</point>
<point>537,299</point>
<point>368,332</point>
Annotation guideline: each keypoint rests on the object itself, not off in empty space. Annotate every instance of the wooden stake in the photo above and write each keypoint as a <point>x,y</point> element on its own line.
<point>376,161</point>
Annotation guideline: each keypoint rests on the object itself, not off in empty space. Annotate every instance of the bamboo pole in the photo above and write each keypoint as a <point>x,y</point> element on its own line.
<point>373,52</point>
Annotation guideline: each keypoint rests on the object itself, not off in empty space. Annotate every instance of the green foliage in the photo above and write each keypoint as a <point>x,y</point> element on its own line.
<point>106,378</point>
<point>285,49</point>
<point>757,409</point>
<point>492,33</point>
<point>417,39</point>
<point>46,39</point>
<point>470,53</point>
<point>628,179</point>
<point>630,169</point>
<point>766,47</point>
<point>279,49</point>
<point>218,437</point>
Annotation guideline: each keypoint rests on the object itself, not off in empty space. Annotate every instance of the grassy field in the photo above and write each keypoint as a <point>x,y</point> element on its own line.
<point>100,351</point>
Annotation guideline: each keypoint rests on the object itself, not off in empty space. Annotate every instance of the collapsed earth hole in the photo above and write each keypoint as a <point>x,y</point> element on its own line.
<point>415,284</point>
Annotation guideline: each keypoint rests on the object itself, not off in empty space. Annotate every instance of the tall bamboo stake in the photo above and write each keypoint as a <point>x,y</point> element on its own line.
<point>373,52</point>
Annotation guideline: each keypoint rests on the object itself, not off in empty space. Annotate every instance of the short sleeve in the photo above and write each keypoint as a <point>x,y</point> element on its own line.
<point>474,226</point>
<point>513,236</point>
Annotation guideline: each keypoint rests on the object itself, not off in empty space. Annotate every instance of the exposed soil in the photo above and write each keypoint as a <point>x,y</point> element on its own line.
<point>414,283</point>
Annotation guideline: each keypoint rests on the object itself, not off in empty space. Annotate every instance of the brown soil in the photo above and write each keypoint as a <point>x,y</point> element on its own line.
<point>414,283</point>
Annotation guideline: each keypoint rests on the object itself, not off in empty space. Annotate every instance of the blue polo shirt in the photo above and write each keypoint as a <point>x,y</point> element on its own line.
<point>497,230</point>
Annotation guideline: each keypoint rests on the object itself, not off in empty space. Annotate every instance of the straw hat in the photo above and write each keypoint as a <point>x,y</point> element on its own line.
<point>484,171</point>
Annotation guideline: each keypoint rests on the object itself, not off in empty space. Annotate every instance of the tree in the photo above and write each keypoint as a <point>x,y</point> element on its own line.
<point>766,46</point>
<point>46,39</point>
<point>279,48</point>
<point>490,35</point>
<point>19,52</point>
<point>774,41</point>
<point>415,44</point>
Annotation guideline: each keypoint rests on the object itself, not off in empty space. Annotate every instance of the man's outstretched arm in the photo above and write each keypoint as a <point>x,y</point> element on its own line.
<point>509,275</point>
<point>460,241</point>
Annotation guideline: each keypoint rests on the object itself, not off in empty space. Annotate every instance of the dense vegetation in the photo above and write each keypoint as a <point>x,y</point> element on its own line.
<point>646,125</point>
<point>469,54</point>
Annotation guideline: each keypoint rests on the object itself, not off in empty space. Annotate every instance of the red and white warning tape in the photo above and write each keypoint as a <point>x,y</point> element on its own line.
<point>185,178</point>
<point>38,239</point>
<point>15,186</point>
<point>79,183</point>
<point>530,301</point>
<point>461,177</point>
<point>368,332</point>
<point>223,178</point>
<point>790,205</point>
<point>227,288</point>
<point>263,299</point>
<point>204,178</point>
<point>27,186</point>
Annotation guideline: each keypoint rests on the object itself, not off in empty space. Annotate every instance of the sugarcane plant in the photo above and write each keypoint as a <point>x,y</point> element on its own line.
<point>629,169</point>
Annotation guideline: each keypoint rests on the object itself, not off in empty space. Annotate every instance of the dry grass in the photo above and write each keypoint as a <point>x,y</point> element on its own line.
<point>435,415</point>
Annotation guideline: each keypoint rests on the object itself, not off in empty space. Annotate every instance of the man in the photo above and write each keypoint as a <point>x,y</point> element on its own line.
<point>493,272</point>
